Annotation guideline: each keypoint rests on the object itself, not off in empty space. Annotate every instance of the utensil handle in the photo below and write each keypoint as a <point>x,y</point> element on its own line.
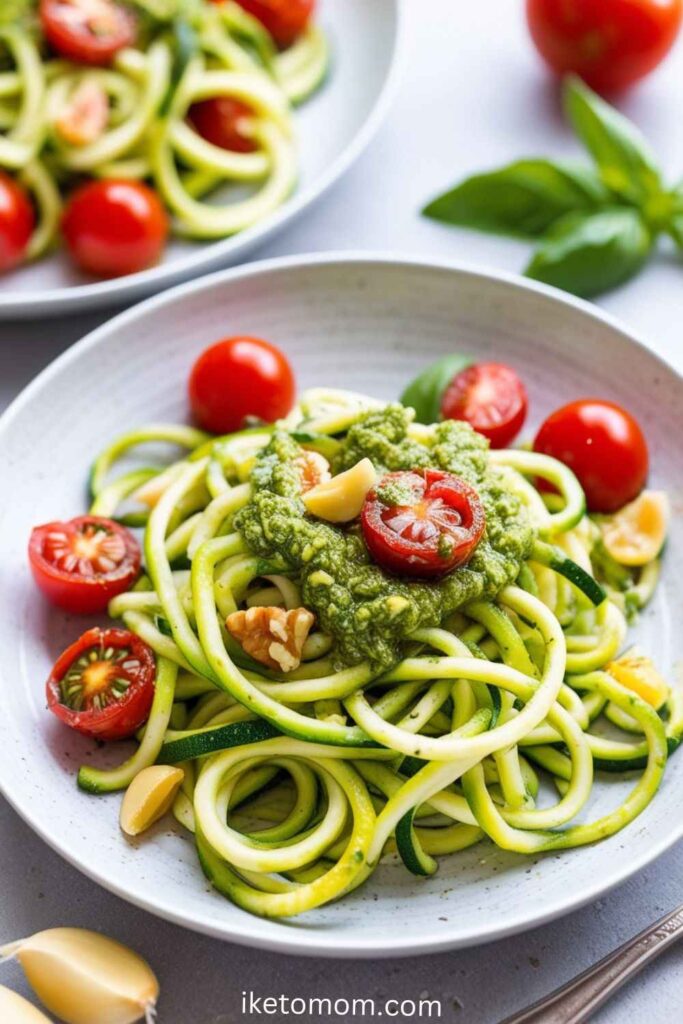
<point>578,1000</point>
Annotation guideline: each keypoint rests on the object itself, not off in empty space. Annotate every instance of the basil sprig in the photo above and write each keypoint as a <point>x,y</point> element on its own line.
<point>424,394</point>
<point>595,226</point>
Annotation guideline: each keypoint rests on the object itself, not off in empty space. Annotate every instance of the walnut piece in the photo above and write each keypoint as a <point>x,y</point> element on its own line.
<point>313,469</point>
<point>273,636</point>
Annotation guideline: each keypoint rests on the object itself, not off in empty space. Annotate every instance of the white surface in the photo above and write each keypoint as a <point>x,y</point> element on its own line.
<point>325,315</point>
<point>332,129</point>
<point>473,95</point>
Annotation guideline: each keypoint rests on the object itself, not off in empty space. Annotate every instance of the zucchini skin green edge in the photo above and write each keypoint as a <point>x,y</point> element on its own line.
<point>211,741</point>
<point>554,558</point>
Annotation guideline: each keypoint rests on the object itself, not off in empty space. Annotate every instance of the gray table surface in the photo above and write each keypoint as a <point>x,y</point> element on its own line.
<point>473,95</point>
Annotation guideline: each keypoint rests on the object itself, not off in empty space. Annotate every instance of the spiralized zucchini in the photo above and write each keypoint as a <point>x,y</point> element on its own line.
<point>192,51</point>
<point>492,723</point>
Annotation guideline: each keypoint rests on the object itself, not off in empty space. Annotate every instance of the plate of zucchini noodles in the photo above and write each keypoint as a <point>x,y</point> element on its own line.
<point>147,141</point>
<point>362,606</point>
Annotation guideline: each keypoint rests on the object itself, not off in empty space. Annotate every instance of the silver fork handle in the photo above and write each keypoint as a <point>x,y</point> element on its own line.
<point>579,999</point>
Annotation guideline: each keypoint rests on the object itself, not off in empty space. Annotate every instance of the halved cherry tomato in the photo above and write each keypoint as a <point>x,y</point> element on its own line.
<point>491,398</point>
<point>81,564</point>
<point>87,31</point>
<point>17,221</point>
<point>609,43</point>
<point>103,685</point>
<point>284,19</point>
<point>603,445</point>
<point>114,227</point>
<point>218,121</point>
<point>422,522</point>
<point>240,377</point>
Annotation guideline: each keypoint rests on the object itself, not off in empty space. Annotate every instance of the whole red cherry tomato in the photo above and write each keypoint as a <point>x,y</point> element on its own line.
<point>603,445</point>
<point>17,221</point>
<point>114,227</point>
<point>240,377</point>
<point>87,31</point>
<point>218,121</point>
<point>284,19</point>
<point>609,43</point>
<point>422,522</point>
<point>81,564</point>
<point>103,685</point>
<point>491,398</point>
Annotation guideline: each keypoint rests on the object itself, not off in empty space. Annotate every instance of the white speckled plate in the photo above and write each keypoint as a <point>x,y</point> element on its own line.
<point>332,129</point>
<point>364,323</point>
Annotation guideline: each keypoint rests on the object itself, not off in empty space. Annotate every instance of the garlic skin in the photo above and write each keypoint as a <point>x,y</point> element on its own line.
<point>14,1009</point>
<point>149,796</point>
<point>83,977</point>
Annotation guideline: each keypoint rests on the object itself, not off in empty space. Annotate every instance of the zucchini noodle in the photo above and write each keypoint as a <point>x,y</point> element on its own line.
<point>188,52</point>
<point>490,725</point>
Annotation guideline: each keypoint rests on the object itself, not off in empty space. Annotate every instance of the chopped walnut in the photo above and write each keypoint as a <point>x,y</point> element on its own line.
<point>273,636</point>
<point>313,469</point>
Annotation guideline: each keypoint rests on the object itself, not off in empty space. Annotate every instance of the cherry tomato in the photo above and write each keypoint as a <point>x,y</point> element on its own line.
<point>87,31</point>
<point>603,445</point>
<point>81,564</point>
<point>609,43</point>
<point>17,221</point>
<point>240,377</point>
<point>284,19</point>
<point>103,685</point>
<point>218,121</point>
<point>115,227</point>
<point>491,398</point>
<point>422,522</point>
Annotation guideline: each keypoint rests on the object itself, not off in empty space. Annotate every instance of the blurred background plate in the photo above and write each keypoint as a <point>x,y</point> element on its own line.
<point>332,129</point>
<point>367,323</point>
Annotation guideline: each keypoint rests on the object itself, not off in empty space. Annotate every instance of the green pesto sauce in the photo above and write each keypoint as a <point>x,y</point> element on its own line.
<point>369,612</point>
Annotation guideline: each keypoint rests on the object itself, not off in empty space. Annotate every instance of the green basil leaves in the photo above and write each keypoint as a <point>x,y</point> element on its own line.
<point>595,226</point>
<point>424,394</point>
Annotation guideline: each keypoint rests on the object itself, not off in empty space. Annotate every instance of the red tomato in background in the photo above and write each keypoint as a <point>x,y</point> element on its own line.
<point>114,227</point>
<point>17,221</point>
<point>491,398</point>
<point>87,31</point>
<point>240,377</point>
<point>103,685</point>
<point>603,445</point>
<point>435,530</point>
<point>284,19</point>
<point>81,564</point>
<point>609,43</point>
<point>218,121</point>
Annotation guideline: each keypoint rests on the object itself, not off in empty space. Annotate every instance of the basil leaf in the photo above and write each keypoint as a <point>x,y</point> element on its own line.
<point>424,394</point>
<point>590,253</point>
<point>522,199</point>
<point>626,164</point>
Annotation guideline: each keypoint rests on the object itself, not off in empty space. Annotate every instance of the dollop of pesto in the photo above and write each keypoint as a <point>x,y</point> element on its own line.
<point>370,613</point>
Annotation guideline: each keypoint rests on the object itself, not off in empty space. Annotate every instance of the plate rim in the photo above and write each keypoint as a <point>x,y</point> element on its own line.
<point>133,288</point>
<point>312,942</point>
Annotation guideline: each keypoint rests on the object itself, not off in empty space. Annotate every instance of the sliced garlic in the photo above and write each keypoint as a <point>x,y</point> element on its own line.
<point>635,534</point>
<point>340,499</point>
<point>83,977</point>
<point>149,796</point>
<point>14,1009</point>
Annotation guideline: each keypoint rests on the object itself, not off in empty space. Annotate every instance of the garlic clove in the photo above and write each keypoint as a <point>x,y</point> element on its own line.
<point>82,977</point>
<point>340,499</point>
<point>149,796</point>
<point>14,1009</point>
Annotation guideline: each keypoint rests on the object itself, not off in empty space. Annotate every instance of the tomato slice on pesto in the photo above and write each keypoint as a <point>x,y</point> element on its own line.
<point>422,522</point>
